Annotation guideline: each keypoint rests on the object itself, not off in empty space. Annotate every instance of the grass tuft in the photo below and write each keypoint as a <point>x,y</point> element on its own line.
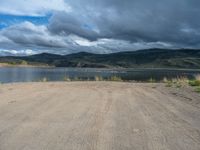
<point>116,78</point>
<point>152,80</point>
<point>66,78</point>
<point>197,89</point>
<point>165,80</point>
<point>176,82</point>
<point>43,80</point>
<point>169,84</point>
<point>98,78</point>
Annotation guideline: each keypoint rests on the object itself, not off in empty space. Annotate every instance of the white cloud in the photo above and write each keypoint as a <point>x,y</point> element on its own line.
<point>32,7</point>
<point>83,42</point>
<point>17,52</point>
<point>29,34</point>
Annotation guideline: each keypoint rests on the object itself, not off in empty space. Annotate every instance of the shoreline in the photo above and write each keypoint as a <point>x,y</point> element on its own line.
<point>3,65</point>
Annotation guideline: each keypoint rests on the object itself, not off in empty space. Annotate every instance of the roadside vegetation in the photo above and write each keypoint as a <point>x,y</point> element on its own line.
<point>95,78</point>
<point>197,89</point>
<point>43,80</point>
<point>177,82</point>
<point>184,81</point>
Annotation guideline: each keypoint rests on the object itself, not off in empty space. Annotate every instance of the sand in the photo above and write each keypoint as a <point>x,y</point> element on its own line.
<point>98,116</point>
<point>4,65</point>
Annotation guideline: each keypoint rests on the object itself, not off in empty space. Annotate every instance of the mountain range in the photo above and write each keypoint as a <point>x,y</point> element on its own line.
<point>150,58</point>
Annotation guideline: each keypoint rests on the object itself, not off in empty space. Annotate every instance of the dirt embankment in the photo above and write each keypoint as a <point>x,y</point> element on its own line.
<point>98,116</point>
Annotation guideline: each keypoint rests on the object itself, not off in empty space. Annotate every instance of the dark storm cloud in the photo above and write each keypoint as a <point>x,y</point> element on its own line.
<point>175,21</point>
<point>64,24</point>
<point>104,26</point>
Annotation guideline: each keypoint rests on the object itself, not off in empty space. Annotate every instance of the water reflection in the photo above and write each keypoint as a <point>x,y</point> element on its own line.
<point>8,75</point>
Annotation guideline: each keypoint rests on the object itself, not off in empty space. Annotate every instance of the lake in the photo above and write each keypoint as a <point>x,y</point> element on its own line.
<point>32,74</point>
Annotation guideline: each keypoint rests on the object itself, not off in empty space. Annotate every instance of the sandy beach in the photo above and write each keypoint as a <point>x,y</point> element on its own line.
<point>98,116</point>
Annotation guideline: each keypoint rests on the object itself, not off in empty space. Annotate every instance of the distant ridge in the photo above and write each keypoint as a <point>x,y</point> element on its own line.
<point>150,58</point>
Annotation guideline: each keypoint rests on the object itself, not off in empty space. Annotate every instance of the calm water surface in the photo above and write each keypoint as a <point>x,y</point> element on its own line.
<point>10,74</point>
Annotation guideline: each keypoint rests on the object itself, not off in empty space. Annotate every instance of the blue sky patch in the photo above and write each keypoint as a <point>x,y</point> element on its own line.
<point>7,20</point>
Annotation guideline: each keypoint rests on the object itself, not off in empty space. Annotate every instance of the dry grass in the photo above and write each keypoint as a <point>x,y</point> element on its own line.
<point>183,81</point>
<point>98,78</point>
<point>67,78</point>
<point>197,77</point>
<point>43,79</point>
<point>116,78</point>
<point>152,80</point>
<point>177,82</point>
<point>197,89</point>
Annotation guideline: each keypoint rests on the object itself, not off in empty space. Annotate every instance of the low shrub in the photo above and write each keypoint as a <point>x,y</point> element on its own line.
<point>116,78</point>
<point>177,82</point>
<point>197,89</point>
<point>179,85</point>
<point>169,84</point>
<point>194,82</point>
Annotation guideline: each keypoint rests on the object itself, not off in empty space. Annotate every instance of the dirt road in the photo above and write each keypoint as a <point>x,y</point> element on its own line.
<point>98,116</point>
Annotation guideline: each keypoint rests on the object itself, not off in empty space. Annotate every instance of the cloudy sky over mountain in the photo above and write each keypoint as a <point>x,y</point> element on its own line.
<point>99,26</point>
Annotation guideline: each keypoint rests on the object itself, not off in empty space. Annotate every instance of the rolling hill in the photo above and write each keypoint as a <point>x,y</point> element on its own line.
<point>151,58</point>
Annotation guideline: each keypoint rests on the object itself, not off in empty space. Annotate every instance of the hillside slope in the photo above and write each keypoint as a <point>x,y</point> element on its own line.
<point>151,58</point>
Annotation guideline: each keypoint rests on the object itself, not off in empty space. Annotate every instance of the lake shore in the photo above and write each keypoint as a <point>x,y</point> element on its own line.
<point>98,115</point>
<point>25,66</point>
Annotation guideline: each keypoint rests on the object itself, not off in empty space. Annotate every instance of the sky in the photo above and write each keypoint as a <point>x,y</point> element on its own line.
<point>98,26</point>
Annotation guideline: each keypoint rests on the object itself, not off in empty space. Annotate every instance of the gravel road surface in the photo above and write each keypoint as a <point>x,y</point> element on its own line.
<point>98,116</point>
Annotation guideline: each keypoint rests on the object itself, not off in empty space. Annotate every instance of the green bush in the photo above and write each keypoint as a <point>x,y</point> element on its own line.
<point>197,89</point>
<point>178,85</point>
<point>116,78</point>
<point>194,82</point>
<point>169,84</point>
